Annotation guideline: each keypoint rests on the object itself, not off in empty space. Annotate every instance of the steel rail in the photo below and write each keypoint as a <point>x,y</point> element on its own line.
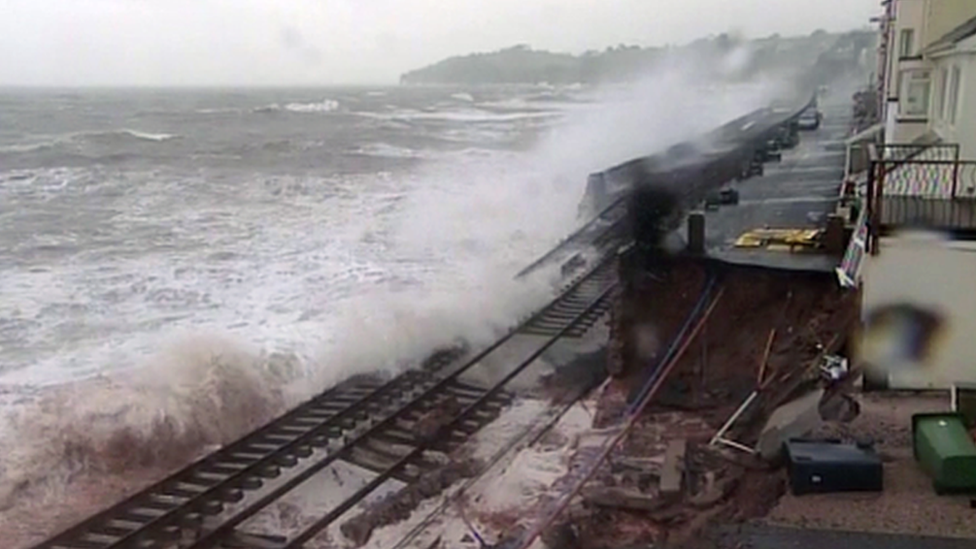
<point>210,538</point>
<point>362,493</point>
<point>617,208</point>
<point>589,469</point>
<point>163,511</point>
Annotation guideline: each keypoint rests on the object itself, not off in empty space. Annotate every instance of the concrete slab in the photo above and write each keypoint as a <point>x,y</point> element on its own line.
<point>674,467</point>
<point>798,192</point>
<point>791,420</point>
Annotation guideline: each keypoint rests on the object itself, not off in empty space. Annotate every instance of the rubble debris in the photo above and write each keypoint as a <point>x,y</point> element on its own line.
<point>623,498</point>
<point>762,348</point>
<point>241,540</point>
<point>398,506</point>
<point>430,423</point>
<point>715,488</point>
<point>840,407</point>
<point>562,535</point>
<point>738,413</point>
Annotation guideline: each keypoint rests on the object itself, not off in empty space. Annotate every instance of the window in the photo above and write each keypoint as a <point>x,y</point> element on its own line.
<point>943,92</point>
<point>954,95</point>
<point>915,93</point>
<point>906,44</point>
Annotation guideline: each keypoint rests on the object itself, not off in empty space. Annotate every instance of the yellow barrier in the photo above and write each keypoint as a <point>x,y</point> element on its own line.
<point>788,239</point>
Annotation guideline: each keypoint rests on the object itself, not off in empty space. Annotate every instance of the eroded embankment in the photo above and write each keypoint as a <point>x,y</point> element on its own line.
<point>767,332</point>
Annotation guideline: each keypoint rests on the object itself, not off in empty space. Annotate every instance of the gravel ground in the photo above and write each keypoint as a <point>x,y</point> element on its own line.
<point>908,504</point>
<point>772,537</point>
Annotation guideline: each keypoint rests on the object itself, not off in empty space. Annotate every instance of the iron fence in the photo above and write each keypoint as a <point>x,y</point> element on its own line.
<point>917,185</point>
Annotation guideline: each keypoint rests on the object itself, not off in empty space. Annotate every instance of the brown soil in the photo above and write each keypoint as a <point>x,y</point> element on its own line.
<point>717,372</point>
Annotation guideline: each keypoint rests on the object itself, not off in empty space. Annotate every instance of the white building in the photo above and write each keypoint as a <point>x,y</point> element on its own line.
<point>927,78</point>
<point>929,59</point>
<point>952,107</point>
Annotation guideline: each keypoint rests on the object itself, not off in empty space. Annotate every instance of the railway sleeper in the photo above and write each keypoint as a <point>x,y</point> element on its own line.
<point>397,436</point>
<point>461,388</point>
<point>245,458</point>
<point>377,465</point>
<point>552,323</point>
<point>226,469</point>
<point>279,437</point>
<point>115,529</point>
<point>85,544</point>
<point>241,540</point>
<point>181,490</point>
<point>386,451</point>
<point>261,448</point>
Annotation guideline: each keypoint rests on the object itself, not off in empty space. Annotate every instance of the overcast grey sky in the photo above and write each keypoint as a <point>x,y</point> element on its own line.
<point>285,42</point>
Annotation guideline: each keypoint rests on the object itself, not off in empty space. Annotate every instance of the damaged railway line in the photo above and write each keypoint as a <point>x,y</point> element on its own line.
<point>409,428</point>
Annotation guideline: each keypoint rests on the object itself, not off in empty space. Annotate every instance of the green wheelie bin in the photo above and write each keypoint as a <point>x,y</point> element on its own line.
<point>945,450</point>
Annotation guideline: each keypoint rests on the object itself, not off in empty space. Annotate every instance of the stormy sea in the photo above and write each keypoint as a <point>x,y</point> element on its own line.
<point>178,266</point>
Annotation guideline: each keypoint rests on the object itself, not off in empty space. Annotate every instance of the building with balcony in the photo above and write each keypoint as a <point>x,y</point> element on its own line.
<point>917,170</point>
<point>927,44</point>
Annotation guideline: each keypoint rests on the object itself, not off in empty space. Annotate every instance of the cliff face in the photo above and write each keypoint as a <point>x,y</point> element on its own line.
<point>523,65</point>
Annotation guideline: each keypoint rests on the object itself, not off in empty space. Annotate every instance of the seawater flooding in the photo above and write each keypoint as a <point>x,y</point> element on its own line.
<point>176,267</point>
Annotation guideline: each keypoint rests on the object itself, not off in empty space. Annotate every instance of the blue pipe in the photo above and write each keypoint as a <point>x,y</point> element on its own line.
<point>652,379</point>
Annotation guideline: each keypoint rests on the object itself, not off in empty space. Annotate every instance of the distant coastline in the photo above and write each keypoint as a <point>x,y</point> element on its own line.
<point>521,64</point>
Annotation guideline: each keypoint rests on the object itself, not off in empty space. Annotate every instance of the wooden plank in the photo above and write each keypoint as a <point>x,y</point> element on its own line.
<point>622,498</point>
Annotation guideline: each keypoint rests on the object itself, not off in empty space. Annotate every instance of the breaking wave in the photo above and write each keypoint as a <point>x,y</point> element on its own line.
<point>324,106</point>
<point>467,115</point>
<point>205,392</point>
<point>104,137</point>
<point>146,135</point>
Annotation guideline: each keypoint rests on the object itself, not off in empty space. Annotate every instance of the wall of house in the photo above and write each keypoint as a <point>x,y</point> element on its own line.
<point>911,14</point>
<point>906,132</point>
<point>964,130</point>
<point>966,125</point>
<point>937,276</point>
<point>945,15</point>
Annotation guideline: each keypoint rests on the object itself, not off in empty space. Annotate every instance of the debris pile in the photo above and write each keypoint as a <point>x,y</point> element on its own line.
<point>695,455</point>
<point>399,505</point>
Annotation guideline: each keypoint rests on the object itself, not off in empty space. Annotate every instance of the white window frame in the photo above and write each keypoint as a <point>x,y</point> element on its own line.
<point>915,83</point>
<point>943,94</point>
<point>955,94</point>
<point>906,43</point>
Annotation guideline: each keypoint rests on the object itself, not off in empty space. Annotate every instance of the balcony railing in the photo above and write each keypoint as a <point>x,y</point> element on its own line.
<point>921,186</point>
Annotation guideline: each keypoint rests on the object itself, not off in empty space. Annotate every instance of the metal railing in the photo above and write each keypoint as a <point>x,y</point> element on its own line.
<point>920,185</point>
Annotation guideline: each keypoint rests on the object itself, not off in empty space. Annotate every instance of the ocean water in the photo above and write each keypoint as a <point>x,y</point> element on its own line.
<point>176,267</point>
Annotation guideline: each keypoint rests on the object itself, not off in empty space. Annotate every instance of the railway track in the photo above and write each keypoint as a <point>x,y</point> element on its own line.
<point>372,423</point>
<point>378,425</point>
<point>599,235</point>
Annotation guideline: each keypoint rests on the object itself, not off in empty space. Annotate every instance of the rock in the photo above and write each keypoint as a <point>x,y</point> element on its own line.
<point>791,420</point>
<point>431,422</point>
<point>841,408</point>
<point>561,536</point>
<point>715,490</point>
<point>358,530</point>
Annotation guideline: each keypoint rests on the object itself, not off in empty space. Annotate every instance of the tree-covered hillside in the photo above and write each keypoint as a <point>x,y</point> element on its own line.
<point>523,65</point>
